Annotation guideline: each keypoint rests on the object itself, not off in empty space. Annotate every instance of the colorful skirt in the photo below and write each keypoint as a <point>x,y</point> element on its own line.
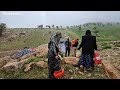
<point>86,61</point>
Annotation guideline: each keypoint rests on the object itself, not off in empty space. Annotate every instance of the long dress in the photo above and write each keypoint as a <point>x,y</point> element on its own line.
<point>88,45</point>
<point>53,63</point>
<point>86,60</point>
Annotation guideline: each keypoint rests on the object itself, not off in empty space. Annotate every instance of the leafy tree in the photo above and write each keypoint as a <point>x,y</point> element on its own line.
<point>2,28</point>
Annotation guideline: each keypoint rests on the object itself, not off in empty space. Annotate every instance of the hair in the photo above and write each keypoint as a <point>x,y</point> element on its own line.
<point>88,33</point>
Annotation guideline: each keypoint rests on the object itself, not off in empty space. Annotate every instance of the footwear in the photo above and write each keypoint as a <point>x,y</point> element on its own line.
<point>81,69</point>
<point>85,71</point>
<point>89,70</point>
<point>76,65</point>
<point>93,68</point>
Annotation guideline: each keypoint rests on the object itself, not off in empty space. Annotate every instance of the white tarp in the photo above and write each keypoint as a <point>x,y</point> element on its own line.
<point>62,47</point>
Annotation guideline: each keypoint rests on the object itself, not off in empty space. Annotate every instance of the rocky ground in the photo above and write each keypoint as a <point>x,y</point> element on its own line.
<point>111,54</point>
<point>36,68</point>
<point>31,67</point>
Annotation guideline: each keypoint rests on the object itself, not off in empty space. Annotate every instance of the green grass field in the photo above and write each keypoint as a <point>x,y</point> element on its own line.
<point>34,38</point>
<point>106,33</point>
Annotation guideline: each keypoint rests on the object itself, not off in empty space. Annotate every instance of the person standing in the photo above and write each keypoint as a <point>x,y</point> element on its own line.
<point>74,46</point>
<point>67,47</point>
<point>53,55</point>
<point>88,45</point>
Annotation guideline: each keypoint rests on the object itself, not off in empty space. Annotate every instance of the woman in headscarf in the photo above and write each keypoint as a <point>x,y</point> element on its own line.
<point>88,45</point>
<point>53,51</point>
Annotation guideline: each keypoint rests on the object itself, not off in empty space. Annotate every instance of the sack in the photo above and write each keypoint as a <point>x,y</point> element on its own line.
<point>97,58</point>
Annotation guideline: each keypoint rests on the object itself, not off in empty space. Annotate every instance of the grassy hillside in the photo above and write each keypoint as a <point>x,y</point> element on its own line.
<point>33,38</point>
<point>106,33</point>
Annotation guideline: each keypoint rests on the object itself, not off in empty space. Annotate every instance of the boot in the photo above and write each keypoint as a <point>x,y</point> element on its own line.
<point>76,65</point>
<point>93,68</point>
<point>81,69</point>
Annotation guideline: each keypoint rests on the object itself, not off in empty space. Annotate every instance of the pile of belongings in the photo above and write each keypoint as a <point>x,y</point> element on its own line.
<point>23,52</point>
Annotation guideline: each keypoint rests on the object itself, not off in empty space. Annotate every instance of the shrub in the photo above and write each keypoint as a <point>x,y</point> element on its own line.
<point>107,47</point>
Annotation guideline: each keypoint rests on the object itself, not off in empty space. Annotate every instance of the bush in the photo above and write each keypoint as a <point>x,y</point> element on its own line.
<point>2,28</point>
<point>117,45</point>
<point>107,47</point>
<point>104,44</point>
<point>49,32</point>
<point>96,32</point>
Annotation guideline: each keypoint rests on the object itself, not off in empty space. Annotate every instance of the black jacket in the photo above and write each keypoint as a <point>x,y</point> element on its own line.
<point>67,44</point>
<point>88,45</point>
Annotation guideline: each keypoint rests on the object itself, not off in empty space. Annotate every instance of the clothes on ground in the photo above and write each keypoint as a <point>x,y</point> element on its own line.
<point>23,52</point>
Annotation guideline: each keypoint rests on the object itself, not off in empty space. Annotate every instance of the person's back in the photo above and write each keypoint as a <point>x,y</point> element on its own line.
<point>67,43</point>
<point>74,43</point>
<point>89,44</point>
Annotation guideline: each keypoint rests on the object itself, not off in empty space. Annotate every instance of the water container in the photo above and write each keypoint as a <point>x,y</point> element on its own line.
<point>97,58</point>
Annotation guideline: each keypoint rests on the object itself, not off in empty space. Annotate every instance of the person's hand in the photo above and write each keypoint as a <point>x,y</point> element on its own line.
<point>59,52</point>
<point>57,57</point>
<point>99,49</point>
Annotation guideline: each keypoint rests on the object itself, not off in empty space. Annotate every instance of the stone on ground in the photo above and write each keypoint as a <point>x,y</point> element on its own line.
<point>110,71</point>
<point>41,64</point>
<point>12,66</point>
<point>29,66</point>
<point>42,50</point>
<point>4,60</point>
<point>71,60</point>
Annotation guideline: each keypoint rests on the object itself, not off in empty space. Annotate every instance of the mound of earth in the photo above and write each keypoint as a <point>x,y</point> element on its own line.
<point>111,54</point>
<point>42,50</point>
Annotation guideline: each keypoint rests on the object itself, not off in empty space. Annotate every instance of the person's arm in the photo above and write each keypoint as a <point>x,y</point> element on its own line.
<point>77,44</point>
<point>70,43</point>
<point>81,44</point>
<point>57,52</point>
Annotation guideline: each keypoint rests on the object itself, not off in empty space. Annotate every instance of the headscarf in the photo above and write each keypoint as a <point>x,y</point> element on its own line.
<point>54,39</point>
<point>88,33</point>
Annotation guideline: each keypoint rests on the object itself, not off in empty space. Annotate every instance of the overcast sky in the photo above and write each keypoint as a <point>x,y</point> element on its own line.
<point>19,19</point>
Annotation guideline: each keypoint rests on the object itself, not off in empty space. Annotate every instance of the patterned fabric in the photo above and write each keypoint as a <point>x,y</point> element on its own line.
<point>23,52</point>
<point>86,60</point>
